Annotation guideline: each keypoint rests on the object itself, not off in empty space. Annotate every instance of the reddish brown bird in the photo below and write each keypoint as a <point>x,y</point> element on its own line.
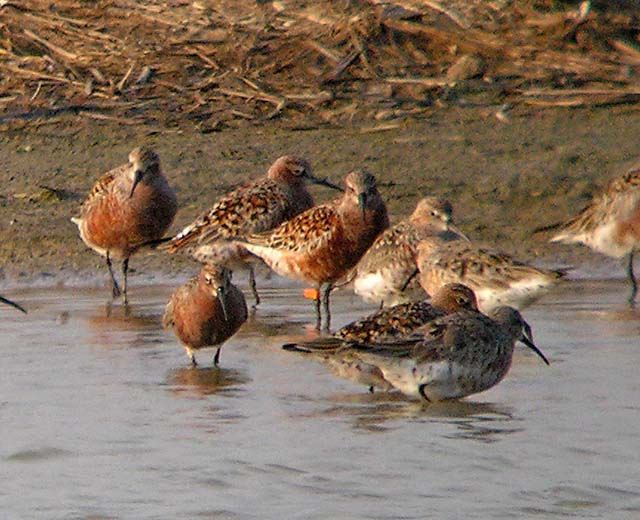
<point>128,207</point>
<point>206,311</point>
<point>323,243</point>
<point>252,208</point>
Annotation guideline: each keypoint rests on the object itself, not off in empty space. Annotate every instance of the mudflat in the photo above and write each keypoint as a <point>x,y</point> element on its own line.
<point>504,178</point>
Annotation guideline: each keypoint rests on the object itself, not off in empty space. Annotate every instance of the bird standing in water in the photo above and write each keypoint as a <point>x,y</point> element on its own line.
<point>382,272</point>
<point>129,206</point>
<point>386,325</point>
<point>610,224</point>
<point>496,278</point>
<point>255,207</point>
<point>321,244</point>
<point>206,311</point>
<point>453,356</point>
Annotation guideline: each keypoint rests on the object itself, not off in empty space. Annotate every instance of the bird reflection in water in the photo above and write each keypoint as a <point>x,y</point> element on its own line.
<point>384,411</point>
<point>125,326</point>
<point>206,381</point>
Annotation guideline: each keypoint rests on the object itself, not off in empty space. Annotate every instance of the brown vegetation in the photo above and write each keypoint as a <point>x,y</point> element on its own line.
<point>220,62</point>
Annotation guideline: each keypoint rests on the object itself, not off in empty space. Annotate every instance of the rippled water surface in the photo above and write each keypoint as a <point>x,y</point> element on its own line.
<point>102,417</point>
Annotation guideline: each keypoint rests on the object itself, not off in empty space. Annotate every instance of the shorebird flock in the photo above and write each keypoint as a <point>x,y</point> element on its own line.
<point>449,315</point>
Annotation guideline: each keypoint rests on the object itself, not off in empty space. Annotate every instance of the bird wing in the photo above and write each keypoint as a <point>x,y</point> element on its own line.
<point>253,208</point>
<point>479,266</point>
<point>385,324</point>
<point>307,231</point>
<point>168,317</point>
<point>622,191</point>
<point>396,244</point>
<point>102,188</point>
<point>169,311</point>
<point>433,341</point>
<point>327,345</point>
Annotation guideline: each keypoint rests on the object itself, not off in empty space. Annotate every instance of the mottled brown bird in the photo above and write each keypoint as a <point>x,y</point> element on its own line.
<point>496,278</point>
<point>381,274</point>
<point>383,326</point>
<point>252,208</point>
<point>453,356</point>
<point>206,311</point>
<point>127,208</point>
<point>610,224</point>
<point>323,243</point>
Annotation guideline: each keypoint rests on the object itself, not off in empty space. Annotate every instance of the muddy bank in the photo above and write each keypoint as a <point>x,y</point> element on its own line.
<point>504,179</point>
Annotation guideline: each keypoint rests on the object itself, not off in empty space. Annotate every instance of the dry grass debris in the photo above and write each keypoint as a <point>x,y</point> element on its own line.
<point>222,63</point>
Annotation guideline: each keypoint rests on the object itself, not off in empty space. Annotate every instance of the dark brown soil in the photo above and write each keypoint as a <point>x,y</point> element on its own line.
<point>504,178</point>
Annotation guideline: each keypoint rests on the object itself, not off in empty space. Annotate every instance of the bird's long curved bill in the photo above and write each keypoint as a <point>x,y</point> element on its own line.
<point>12,304</point>
<point>136,181</point>
<point>527,339</point>
<point>454,229</point>
<point>411,277</point>
<point>325,182</point>
<point>362,202</point>
<point>222,298</point>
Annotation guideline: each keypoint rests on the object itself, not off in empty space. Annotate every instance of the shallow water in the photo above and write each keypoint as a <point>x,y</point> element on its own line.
<point>102,417</point>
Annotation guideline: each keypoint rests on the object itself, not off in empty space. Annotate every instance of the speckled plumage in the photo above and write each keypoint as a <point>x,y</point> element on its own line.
<point>382,272</point>
<point>453,356</point>
<point>206,311</point>
<point>496,278</point>
<point>127,207</point>
<point>321,244</point>
<point>383,326</point>
<point>252,208</point>
<point>610,224</point>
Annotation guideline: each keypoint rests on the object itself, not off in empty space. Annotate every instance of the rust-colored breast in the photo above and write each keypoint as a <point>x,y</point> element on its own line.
<point>113,221</point>
<point>198,319</point>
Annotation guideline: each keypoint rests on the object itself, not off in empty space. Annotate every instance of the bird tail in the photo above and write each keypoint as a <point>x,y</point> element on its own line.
<point>548,227</point>
<point>327,345</point>
<point>157,243</point>
<point>346,279</point>
<point>177,242</point>
<point>295,347</point>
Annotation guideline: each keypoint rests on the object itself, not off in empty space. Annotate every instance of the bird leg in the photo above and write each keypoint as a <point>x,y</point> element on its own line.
<point>252,284</point>
<point>423,393</point>
<point>318,314</point>
<point>413,274</point>
<point>325,305</point>
<point>216,357</point>
<point>125,269</point>
<point>115,290</point>
<point>632,279</point>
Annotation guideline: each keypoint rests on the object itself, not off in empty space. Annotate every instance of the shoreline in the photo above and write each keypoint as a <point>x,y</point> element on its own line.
<point>503,179</point>
<point>607,269</point>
